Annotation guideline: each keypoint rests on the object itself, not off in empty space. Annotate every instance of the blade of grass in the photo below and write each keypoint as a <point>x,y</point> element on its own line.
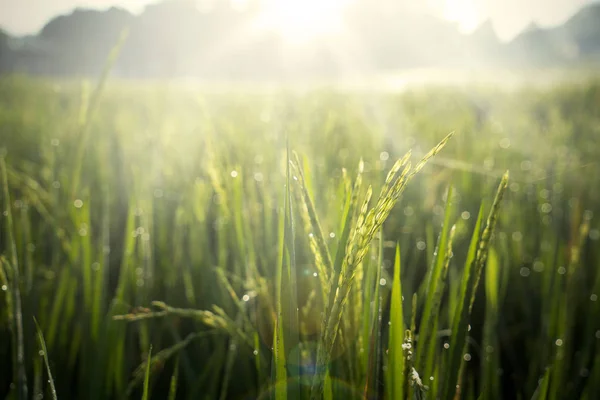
<point>395,369</point>
<point>146,393</point>
<point>44,351</point>
<point>17,331</point>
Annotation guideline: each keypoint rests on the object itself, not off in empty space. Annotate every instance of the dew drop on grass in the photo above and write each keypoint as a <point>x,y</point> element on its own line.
<point>446,346</point>
<point>594,297</point>
<point>245,297</point>
<point>561,270</point>
<point>310,235</point>
<point>315,274</point>
<point>4,288</point>
<point>465,215</point>
<point>332,235</point>
<point>56,185</point>
<point>431,378</point>
<point>408,211</point>
<point>255,352</point>
<point>41,353</point>
<point>78,203</point>
<point>467,357</point>
<point>514,187</point>
<point>382,282</point>
<point>526,165</point>
<point>384,156</point>
<point>421,245</point>
<point>517,236</point>
<point>558,342</point>
<point>469,328</point>
<point>538,266</point>
<point>525,272</point>
<point>234,174</point>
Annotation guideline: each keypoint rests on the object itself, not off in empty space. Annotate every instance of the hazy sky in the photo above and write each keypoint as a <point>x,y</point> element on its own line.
<point>509,16</point>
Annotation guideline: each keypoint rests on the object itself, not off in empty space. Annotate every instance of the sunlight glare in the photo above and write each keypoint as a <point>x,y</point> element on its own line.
<point>305,20</point>
<point>463,12</point>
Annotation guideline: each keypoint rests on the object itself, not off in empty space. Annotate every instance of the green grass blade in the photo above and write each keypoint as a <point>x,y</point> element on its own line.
<point>17,312</point>
<point>146,393</point>
<point>460,321</point>
<point>44,351</point>
<point>428,325</point>
<point>395,371</point>
<point>174,380</point>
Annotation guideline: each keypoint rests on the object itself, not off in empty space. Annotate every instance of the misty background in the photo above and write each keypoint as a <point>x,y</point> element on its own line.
<point>224,39</point>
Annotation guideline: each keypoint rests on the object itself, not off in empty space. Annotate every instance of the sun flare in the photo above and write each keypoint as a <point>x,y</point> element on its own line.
<point>302,21</point>
<point>463,12</point>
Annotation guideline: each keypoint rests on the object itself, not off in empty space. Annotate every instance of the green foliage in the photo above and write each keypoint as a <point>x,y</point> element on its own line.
<point>184,219</point>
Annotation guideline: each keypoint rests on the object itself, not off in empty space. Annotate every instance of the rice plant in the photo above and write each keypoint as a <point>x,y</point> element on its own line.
<point>295,246</point>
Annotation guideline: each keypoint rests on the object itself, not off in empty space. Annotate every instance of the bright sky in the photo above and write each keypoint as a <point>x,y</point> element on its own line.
<point>509,16</point>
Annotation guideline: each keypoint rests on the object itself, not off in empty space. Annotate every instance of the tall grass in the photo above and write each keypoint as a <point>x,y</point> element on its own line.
<point>278,245</point>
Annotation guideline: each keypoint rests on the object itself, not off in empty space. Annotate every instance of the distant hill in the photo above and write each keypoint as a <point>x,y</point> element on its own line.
<point>176,39</point>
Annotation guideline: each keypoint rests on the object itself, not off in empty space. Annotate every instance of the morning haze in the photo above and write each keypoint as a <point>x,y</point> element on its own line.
<point>257,39</point>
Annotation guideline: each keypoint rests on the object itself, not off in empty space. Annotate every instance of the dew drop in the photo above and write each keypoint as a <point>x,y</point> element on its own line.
<point>594,297</point>
<point>446,346</point>
<point>384,156</point>
<point>558,342</point>
<point>245,297</point>
<point>234,174</point>
<point>467,357</point>
<point>465,215</point>
<point>504,143</point>
<point>421,245</point>
<point>78,203</point>
<point>561,270</point>
<point>315,274</point>
<point>255,352</point>
<point>517,236</point>
<point>332,235</point>
<point>4,288</point>
<point>525,272</point>
<point>382,282</point>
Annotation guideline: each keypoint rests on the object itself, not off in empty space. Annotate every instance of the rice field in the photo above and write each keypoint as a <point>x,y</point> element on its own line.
<point>436,243</point>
